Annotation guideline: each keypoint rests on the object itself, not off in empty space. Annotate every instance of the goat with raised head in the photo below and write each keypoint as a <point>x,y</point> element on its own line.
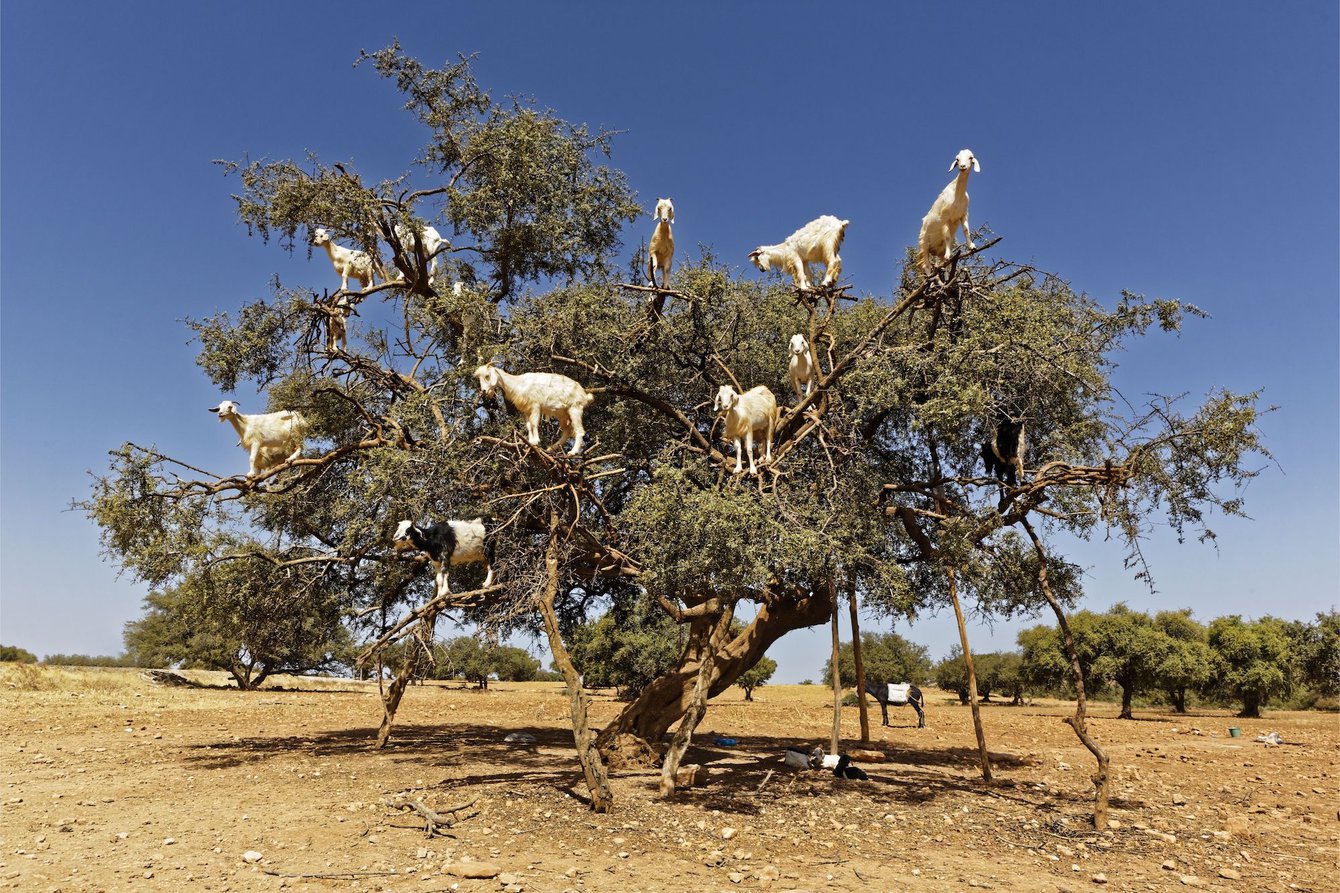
<point>349,263</point>
<point>541,394</point>
<point>897,695</point>
<point>748,415</point>
<point>800,369</point>
<point>817,242</point>
<point>949,212</point>
<point>428,238</point>
<point>270,438</point>
<point>661,251</point>
<point>448,543</point>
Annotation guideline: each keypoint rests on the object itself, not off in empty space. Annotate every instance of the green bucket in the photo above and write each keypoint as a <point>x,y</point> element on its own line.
<point>1234,732</point>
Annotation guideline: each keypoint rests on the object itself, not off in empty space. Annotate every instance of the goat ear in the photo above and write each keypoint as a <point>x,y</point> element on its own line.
<point>975,166</point>
<point>953,165</point>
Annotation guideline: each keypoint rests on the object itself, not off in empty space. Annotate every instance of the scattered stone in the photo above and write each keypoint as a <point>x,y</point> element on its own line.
<point>1100,878</point>
<point>1113,825</point>
<point>479,870</point>
<point>252,857</point>
<point>1178,800</point>
<point>1191,880</point>
<point>769,873</point>
<point>1221,835</point>
<point>1169,865</point>
<point>735,877</point>
<point>1231,873</point>
<point>727,833</point>
<point>692,775</point>
<point>169,841</point>
<point>509,879</point>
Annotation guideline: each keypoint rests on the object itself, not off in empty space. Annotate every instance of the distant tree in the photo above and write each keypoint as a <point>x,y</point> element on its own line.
<point>512,664</point>
<point>245,616</point>
<point>757,675</point>
<point>1254,660</point>
<point>626,650</point>
<point>1317,646</point>
<point>464,657</point>
<point>1187,663</point>
<point>88,660</point>
<point>888,657</point>
<point>1120,646</point>
<point>15,654</point>
<point>997,671</point>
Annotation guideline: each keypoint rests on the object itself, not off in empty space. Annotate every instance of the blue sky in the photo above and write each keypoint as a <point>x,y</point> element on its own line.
<point>1182,150</point>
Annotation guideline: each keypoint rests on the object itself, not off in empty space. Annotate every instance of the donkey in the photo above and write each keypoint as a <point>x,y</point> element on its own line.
<point>896,695</point>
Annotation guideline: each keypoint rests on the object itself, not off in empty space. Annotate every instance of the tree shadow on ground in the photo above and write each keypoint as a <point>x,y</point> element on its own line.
<point>743,779</point>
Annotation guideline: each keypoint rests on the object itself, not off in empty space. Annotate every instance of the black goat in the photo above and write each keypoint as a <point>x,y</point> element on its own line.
<point>844,770</point>
<point>1004,451</point>
<point>448,543</point>
<point>880,692</point>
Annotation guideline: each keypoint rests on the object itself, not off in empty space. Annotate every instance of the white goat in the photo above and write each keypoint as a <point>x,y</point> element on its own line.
<point>749,414</point>
<point>270,438</point>
<point>817,242</point>
<point>950,211</point>
<point>661,252</point>
<point>349,264</point>
<point>536,394</point>
<point>800,368</point>
<point>432,244</point>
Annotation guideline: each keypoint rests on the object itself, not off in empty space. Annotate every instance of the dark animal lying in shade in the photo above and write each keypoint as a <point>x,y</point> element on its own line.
<point>844,770</point>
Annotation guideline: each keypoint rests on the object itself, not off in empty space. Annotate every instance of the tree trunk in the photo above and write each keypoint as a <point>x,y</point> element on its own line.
<point>391,700</point>
<point>697,704</point>
<point>859,660</point>
<point>1078,722</point>
<point>1127,693</point>
<point>1251,706</point>
<point>666,699</point>
<point>593,767</point>
<point>972,679</point>
<point>837,675</point>
<point>1178,698</point>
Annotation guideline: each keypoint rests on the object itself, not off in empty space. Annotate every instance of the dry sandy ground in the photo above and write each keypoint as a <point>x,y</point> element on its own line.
<point>115,784</point>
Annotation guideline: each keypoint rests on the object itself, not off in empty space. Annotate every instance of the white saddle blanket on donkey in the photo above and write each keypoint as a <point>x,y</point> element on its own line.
<point>898,692</point>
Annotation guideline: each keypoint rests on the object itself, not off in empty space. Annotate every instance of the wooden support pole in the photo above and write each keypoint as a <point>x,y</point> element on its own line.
<point>860,661</point>
<point>837,676</point>
<point>972,678</point>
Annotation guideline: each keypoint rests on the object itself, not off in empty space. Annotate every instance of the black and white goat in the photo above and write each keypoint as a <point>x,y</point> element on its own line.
<point>844,769</point>
<point>896,695</point>
<point>448,543</point>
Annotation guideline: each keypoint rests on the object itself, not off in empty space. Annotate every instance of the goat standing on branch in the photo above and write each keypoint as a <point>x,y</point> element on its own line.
<point>950,211</point>
<point>661,252</point>
<point>800,367</point>
<point>537,394</point>
<point>270,438</point>
<point>429,238</point>
<point>448,543</point>
<point>349,264</point>
<point>817,242</point>
<point>748,415</point>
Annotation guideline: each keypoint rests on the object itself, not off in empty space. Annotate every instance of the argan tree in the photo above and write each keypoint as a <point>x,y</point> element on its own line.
<point>874,483</point>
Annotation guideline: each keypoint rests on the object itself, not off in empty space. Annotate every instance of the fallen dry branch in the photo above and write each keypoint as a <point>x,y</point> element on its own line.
<point>435,822</point>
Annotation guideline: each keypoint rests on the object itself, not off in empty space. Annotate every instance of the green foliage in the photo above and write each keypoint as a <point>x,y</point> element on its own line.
<point>999,672</point>
<point>1187,663</point>
<point>887,657</point>
<point>245,616</point>
<point>756,676</point>
<point>626,650</point>
<point>1317,646</point>
<point>15,654</point>
<point>1254,660</point>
